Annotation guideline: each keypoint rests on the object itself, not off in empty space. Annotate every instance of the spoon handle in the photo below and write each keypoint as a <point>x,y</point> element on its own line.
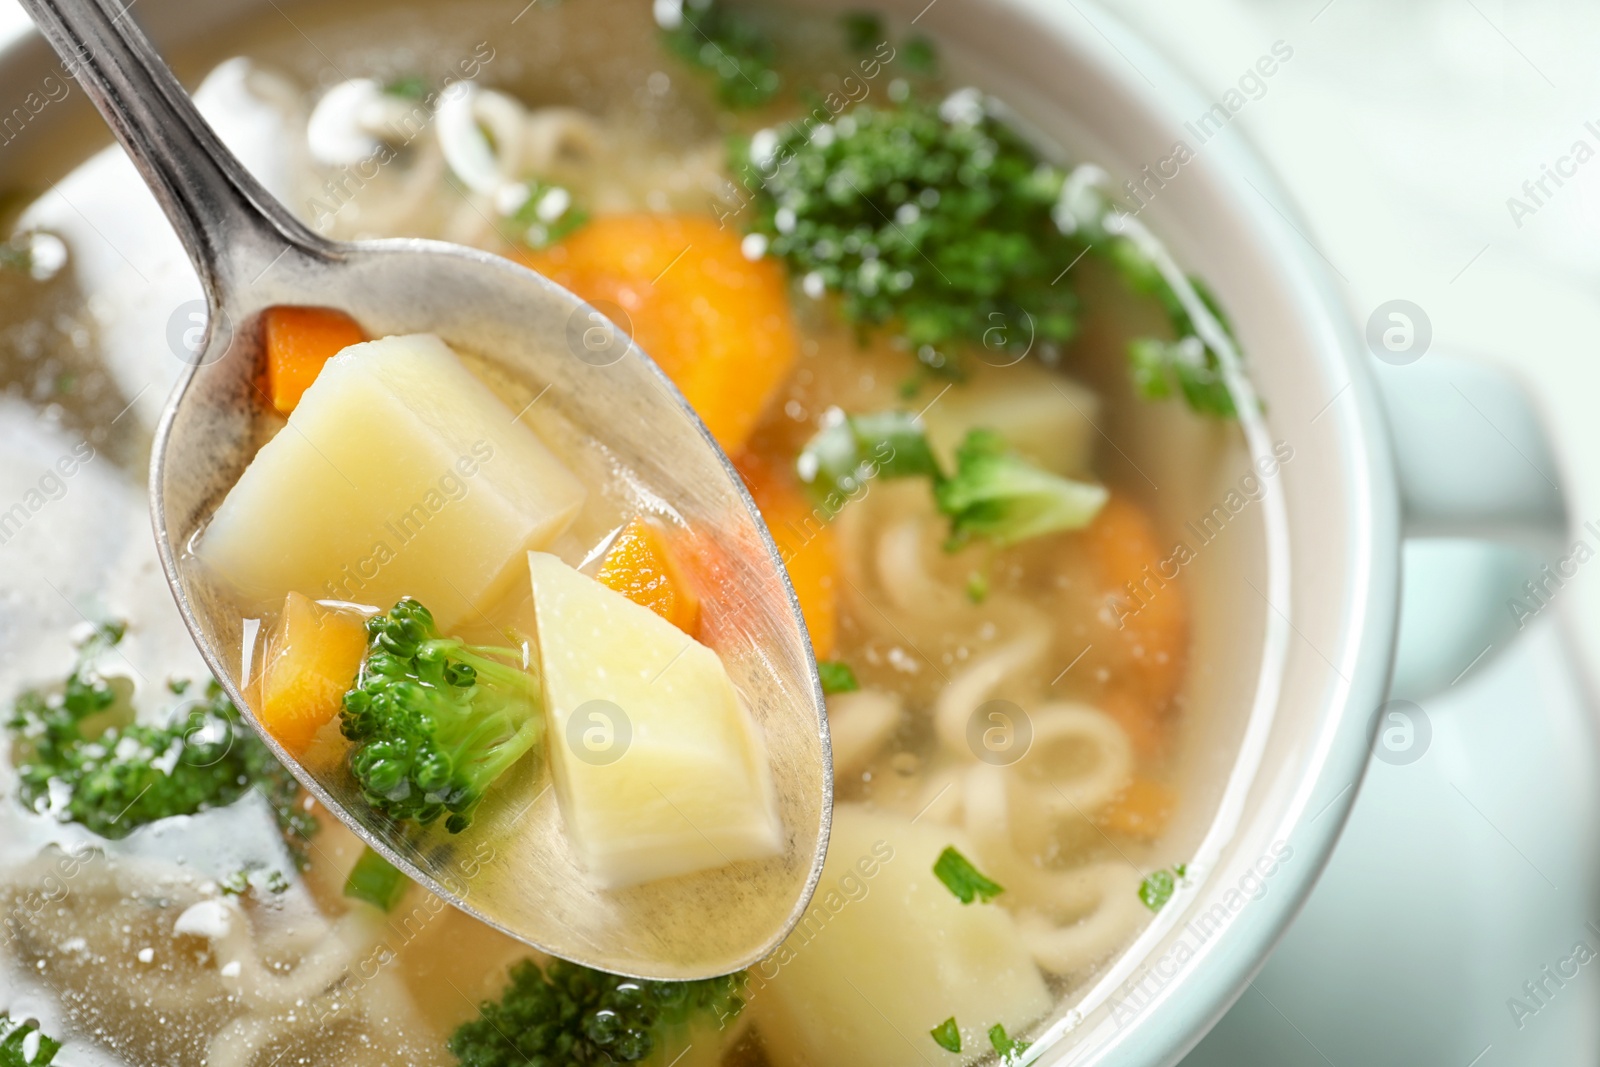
<point>232,228</point>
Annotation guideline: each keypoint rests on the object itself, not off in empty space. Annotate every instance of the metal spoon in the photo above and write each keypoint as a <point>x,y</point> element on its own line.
<point>511,868</point>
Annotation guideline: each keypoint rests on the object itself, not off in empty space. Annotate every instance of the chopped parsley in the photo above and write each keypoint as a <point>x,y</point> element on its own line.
<point>711,37</point>
<point>963,879</point>
<point>1158,886</point>
<point>410,87</point>
<point>836,676</point>
<point>543,216</point>
<point>947,1035</point>
<point>254,878</point>
<point>919,55</point>
<point>863,30</point>
<point>944,225</point>
<point>977,587</point>
<point>1007,1048</point>
<point>23,1044</point>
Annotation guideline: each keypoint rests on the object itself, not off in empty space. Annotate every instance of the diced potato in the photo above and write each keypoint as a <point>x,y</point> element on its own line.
<point>311,660</point>
<point>399,474</point>
<point>640,567</point>
<point>1043,414</point>
<point>886,953</point>
<point>659,769</point>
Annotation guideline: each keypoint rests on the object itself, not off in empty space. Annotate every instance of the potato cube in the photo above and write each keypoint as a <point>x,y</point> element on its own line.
<point>399,474</point>
<point>659,769</point>
<point>886,953</point>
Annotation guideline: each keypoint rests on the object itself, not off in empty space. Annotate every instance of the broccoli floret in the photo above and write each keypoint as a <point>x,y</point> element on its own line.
<point>435,721</point>
<point>708,35</point>
<point>852,450</point>
<point>81,758</point>
<point>23,1044</point>
<point>574,1016</point>
<point>994,493</point>
<point>997,494</point>
<point>941,227</point>
<point>947,226</point>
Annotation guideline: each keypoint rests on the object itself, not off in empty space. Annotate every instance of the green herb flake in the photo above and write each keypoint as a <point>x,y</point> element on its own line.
<point>376,881</point>
<point>254,878</point>
<point>863,30</point>
<point>1007,1048</point>
<point>411,87</point>
<point>919,55</point>
<point>963,879</point>
<point>837,677</point>
<point>977,587</point>
<point>947,1035</point>
<point>1158,886</point>
<point>547,215</point>
<point>14,1041</point>
<point>726,44</point>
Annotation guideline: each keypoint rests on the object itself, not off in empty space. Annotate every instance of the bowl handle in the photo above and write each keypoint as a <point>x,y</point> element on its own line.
<point>1488,544</point>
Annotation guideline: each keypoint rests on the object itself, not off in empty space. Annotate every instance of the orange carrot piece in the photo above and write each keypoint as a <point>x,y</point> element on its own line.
<point>298,341</point>
<point>719,325</point>
<point>1141,811</point>
<point>639,566</point>
<point>805,544</point>
<point>1154,630</point>
<point>311,660</point>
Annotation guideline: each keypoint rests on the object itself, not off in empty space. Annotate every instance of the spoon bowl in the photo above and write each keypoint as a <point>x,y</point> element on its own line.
<point>601,403</point>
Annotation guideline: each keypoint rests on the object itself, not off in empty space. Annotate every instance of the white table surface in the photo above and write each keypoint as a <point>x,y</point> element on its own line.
<point>1402,129</point>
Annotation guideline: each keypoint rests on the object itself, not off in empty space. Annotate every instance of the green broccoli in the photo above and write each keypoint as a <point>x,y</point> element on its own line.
<point>81,757</point>
<point>708,35</point>
<point>946,225</point>
<point>942,227</point>
<point>571,1015</point>
<point>435,721</point>
<point>23,1044</point>
<point>997,494</point>
<point>994,493</point>
<point>851,450</point>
